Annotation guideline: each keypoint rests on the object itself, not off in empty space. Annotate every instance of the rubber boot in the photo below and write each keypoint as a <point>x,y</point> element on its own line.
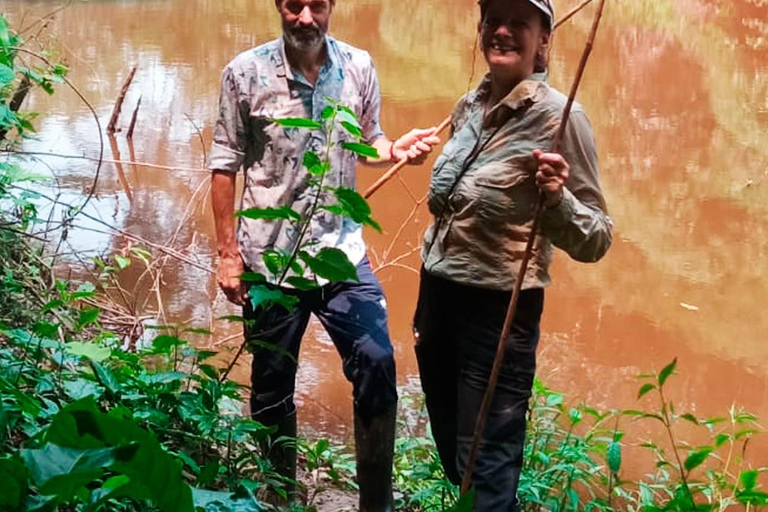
<point>281,452</point>
<point>374,448</point>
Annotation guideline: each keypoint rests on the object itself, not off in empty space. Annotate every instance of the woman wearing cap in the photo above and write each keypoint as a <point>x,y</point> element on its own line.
<point>483,194</point>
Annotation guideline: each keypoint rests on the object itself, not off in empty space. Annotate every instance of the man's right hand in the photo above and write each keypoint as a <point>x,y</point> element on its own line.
<point>230,269</point>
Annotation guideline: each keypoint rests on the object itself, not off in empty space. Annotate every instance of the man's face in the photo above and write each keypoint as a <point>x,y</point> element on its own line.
<point>305,22</point>
<point>512,35</point>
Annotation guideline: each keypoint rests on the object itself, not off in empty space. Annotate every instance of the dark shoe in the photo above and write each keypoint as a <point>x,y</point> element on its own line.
<point>374,448</point>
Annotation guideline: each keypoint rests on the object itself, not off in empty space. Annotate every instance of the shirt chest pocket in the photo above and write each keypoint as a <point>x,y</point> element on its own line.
<point>506,191</point>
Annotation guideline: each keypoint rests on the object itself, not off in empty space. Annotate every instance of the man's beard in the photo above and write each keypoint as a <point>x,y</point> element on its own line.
<point>304,39</point>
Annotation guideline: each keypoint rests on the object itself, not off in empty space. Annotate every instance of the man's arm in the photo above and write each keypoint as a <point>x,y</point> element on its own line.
<point>230,262</point>
<point>225,160</point>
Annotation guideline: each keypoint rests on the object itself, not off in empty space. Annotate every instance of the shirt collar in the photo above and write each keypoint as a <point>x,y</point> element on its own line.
<point>528,92</point>
<point>283,69</point>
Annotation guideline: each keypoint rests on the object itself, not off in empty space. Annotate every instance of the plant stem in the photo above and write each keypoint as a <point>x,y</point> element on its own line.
<point>668,426</point>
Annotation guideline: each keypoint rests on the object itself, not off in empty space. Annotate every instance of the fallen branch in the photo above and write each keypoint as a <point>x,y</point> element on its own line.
<point>119,102</point>
<point>133,119</point>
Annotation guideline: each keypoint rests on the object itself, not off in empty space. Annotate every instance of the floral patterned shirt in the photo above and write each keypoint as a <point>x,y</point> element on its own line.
<point>259,85</point>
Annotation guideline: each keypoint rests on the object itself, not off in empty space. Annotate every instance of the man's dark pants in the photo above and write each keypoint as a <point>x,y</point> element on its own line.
<point>355,317</point>
<point>457,329</point>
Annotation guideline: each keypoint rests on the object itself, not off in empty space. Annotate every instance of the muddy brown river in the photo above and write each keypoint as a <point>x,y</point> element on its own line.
<point>677,92</point>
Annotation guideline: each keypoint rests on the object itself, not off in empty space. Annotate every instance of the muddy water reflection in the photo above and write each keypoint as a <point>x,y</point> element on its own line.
<point>677,92</point>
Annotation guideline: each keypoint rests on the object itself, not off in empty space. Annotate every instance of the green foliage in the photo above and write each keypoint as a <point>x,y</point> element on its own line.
<point>304,267</point>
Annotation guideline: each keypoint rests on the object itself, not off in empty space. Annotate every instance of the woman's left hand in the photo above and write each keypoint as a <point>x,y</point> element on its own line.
<point>552,173</point>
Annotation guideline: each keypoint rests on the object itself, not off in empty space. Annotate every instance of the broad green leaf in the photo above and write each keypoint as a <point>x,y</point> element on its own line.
<point>355,207</point>
<point>752,497</point>
<point>6,75</point>
<point>51,305</point>
<point>281,213</point>
<point>353,130</point>
<point>63,471</point>
<point>327,112</point>
<point>721,439</point>
<point>92,351</point>
<point>5,36</point>
<point>165,343</point>
<point>154,474</point>
<point>209,472</point>
<point>667,371</point>
<point>253,277</point>
<point>122,262</point>
<point>465,503</point>
<point>346,115</point>
<point>82,388</point>
<point>87,317</point>
<point>106,378</point>
<point>614,457</point>
<point>697,458</point>
<point>360,149</point>
<point>647,388</point>
<point>163,378</point>
<point>263,296</point>
<point>298,122</point>
<point>749,479</point>
<point>314,164</point>
<point>302,283</point>
<point>331,264</point>
<point>13,483</point>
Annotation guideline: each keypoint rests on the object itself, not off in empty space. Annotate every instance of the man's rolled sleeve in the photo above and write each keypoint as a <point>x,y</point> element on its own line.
<point>369,120</point>
<point>229,137</point>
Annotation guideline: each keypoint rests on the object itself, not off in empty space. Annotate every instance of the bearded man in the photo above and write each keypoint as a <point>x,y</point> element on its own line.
<point>296,76</point>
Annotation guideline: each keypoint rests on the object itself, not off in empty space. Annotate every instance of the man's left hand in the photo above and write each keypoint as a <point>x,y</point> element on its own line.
<point>552,173</point>
<point>415,145</point>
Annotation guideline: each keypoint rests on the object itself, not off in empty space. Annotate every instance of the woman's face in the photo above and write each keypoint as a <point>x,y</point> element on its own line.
<point>512,36</point>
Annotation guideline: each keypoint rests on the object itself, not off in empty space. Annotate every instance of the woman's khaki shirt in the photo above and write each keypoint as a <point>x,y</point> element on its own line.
<point>484,213</point>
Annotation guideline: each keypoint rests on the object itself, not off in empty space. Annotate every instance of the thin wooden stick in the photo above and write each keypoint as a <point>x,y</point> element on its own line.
<point>399,165</point>
<point>133,119</point>
<point>119,102</point>
<point>444,124</point>
<point>572,13</point>
<point>493,380</point>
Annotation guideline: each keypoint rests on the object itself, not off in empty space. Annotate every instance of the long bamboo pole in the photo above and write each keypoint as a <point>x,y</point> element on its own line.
<point>392,171</point>
<point>493,380</point>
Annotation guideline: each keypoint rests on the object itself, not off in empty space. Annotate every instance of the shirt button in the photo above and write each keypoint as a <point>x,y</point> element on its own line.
<point>294,94</point>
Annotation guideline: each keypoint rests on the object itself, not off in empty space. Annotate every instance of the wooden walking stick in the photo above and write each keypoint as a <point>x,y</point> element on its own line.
<point>392,171</point>
<point>493,380</point>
